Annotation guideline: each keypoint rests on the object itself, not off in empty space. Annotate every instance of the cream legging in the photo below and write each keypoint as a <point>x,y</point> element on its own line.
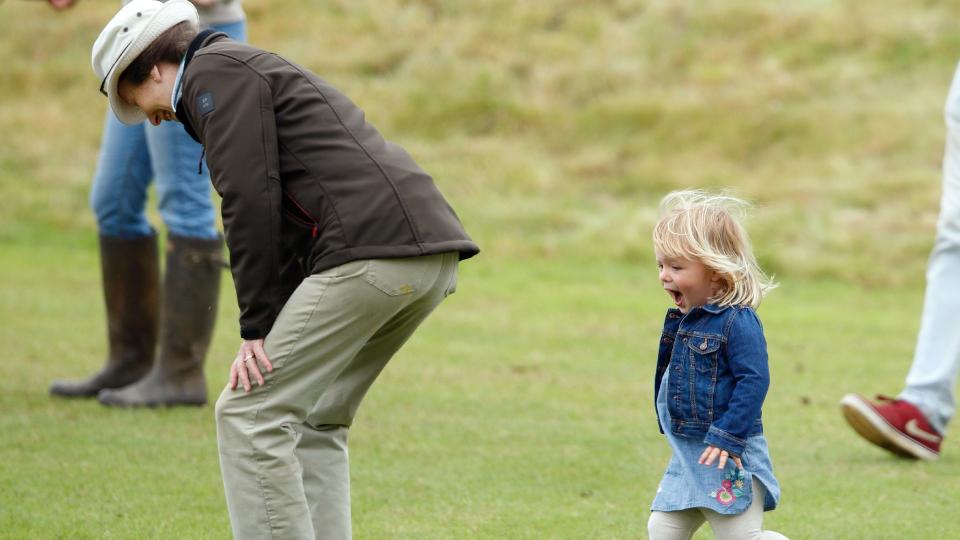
<point>681,525</point>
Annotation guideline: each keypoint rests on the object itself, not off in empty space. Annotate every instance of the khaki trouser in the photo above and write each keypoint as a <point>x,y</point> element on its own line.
<point>283,446</point>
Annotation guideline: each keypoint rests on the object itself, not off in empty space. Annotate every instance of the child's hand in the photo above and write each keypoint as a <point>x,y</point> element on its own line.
<point>712,452</point>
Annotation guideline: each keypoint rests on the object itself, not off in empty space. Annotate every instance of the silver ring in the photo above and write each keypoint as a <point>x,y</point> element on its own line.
<point>248,358</point>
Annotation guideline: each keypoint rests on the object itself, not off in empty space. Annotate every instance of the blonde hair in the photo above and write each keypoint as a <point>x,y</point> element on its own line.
<point>700,226</point>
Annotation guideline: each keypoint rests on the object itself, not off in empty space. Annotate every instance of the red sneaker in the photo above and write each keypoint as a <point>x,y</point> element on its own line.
<point>894,425</point>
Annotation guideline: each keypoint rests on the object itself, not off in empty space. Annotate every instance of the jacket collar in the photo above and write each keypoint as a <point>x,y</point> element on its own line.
<point>713,309</point>
<point>202,40</point>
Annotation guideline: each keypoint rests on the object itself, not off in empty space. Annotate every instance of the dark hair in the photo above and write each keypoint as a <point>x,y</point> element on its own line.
<point>170,46</point>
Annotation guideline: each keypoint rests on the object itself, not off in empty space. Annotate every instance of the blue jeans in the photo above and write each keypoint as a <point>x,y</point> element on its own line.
<point>932,381</point>
<point>133,156</point>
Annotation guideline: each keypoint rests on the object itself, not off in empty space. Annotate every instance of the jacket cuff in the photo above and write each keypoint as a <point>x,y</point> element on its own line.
<point>252,332</point>
<point>725,441</point>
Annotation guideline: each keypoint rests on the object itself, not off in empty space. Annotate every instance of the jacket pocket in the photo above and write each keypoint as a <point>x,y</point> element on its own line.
<point>703,352</point>
<point>296,213</point>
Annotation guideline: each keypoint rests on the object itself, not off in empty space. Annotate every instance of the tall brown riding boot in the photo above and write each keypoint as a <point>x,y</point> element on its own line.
<point>131,292</point>
<point>190,291</point>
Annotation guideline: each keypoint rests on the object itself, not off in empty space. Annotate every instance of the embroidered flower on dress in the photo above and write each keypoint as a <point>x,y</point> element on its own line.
<point>730,488</point>
<point>725,497</point>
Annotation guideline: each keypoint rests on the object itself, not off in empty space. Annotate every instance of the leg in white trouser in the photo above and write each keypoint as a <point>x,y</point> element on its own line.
<point>932,378</point>
<point>745,526</point>
<point>679,525</point>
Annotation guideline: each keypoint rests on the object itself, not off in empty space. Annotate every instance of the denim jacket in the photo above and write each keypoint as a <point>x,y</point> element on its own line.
<point>720,375</point>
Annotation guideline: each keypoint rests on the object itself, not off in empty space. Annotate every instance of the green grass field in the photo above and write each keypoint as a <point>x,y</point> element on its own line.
<point>523,407</point>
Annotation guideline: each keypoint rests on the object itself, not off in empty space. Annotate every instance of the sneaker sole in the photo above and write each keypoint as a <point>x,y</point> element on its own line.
<point>875,428</point>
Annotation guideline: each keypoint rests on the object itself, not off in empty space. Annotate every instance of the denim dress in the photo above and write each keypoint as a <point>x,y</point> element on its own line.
<point>688,484</point>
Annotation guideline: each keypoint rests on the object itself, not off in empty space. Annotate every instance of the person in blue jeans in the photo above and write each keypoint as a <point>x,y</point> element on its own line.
<point>180,315</point>
<point>712,375</point>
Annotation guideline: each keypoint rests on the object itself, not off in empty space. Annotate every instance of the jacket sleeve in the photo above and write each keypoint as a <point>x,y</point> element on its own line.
<point>230,107</point>
<point>747,358</point>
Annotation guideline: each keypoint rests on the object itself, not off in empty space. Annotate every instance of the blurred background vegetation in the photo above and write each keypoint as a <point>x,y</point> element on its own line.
<point>555,127</point>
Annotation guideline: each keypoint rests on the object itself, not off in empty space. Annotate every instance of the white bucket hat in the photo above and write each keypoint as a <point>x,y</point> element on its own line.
<point>127,34</point>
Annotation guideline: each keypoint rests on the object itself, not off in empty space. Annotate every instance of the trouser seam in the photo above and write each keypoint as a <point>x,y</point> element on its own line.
<point>256,455</point>
<point>125,207</point>
<point>125,182</point>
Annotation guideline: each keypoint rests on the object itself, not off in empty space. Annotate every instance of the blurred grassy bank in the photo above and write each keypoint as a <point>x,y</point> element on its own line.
<point>555,127</point>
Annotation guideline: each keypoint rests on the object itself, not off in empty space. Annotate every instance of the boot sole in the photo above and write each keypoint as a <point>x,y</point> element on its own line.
<point>69,395</point>
<point>152,405</point>
<point>874,427</point>
<point>108,401</point>
<point>94,385</point>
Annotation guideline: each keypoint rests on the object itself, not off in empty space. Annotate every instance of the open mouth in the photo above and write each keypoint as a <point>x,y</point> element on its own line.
<point>676,295</point>
<point>163,116</point>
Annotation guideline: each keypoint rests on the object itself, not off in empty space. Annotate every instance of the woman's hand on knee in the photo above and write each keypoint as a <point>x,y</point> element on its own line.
<point>246,366</point>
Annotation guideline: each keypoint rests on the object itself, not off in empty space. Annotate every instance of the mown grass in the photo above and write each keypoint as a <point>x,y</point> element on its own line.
<point>509,415</point>
<point>523,408</point>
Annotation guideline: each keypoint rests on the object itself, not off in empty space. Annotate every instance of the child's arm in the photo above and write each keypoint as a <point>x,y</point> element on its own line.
<point>747,359</point>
